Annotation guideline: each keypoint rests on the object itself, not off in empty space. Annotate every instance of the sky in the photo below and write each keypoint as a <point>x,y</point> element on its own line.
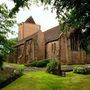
<point>40,15</point>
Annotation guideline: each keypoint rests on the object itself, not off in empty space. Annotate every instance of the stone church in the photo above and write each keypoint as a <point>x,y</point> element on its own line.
<point>33,44</point>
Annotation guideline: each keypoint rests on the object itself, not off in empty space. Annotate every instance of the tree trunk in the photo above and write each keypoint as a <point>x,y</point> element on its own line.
<point>59,71</point>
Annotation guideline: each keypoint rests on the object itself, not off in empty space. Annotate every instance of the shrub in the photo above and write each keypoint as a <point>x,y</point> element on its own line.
<point>33,63</point>
<point>42,63</point>
<point>82,70</point>
<point>39,63</point>
<point>52,67</point>
<point>1,61</point>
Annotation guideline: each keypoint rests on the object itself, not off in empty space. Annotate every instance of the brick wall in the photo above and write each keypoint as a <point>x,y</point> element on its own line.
<point>27,29</point>
<point>36,49</point>
<point>50,52</point>
<point>41,45</point>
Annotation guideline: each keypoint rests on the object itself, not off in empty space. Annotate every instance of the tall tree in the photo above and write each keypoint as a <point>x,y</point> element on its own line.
<point>6,23</point>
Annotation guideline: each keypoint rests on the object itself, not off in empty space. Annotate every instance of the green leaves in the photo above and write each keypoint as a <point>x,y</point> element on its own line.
<point>46,1</point>
<point>6,23</point>
<point>75,12</point>
<point>19,4</point>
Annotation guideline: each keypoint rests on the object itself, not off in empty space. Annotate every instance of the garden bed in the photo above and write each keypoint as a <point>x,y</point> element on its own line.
<point>8,75</point>
<point>82,70</point>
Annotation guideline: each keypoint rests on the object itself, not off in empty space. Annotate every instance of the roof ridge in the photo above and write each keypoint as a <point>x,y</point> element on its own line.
<point>51,28</point>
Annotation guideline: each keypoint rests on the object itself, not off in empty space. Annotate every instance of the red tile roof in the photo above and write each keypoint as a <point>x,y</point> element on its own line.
<point>52,34</point>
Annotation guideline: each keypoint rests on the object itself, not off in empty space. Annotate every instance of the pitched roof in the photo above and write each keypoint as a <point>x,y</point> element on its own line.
<point>52,34</point>
<point>30,20</point>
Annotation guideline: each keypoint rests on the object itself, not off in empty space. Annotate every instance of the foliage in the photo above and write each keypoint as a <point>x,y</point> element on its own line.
<point>85,40</point>
<point>10,77</point>
<point>6,23</point>
<point>76,13</point>
<point>1,61</point>
<point>82,70</point>
<point>5,74</point>
<point>20,4</point>
<point>42,63</point>
<point>10,48</point>
<point>52,67</point>
<point>39,63</point>
<point>11,43</point>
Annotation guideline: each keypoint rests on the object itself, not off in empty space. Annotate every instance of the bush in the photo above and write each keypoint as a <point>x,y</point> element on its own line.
<point>52,67</point>
<point>82,70</point>
<point>1,61</point>
<point>40,63</point>
<point>33,63</point>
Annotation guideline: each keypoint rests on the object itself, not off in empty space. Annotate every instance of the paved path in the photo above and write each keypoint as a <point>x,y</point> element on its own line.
<point>27,69</point>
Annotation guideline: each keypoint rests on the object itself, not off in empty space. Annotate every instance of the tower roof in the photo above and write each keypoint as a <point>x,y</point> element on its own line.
<point>30,20</point>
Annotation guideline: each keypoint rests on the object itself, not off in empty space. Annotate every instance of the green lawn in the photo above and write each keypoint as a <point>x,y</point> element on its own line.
<point>19,66</point>
<point>44,81</point>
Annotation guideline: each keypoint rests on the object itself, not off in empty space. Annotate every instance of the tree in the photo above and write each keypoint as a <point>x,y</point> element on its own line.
<point>6,23</point>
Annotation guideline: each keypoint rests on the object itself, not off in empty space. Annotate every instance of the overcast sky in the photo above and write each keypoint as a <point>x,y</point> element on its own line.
<point>41,16</point>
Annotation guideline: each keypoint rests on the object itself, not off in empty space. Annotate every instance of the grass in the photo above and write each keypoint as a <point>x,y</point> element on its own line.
<point>19,66</point>
<point>44,81</point>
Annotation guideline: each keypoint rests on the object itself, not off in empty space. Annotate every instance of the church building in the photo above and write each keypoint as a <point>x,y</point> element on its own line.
<point>33,44</point>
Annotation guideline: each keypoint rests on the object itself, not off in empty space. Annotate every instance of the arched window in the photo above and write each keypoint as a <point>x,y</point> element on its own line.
<point>53,47</point>
<point>74,41</point>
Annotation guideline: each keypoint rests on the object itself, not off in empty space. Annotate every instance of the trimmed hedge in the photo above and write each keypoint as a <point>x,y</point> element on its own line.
<point>82,70</point>
<point>39,63</point>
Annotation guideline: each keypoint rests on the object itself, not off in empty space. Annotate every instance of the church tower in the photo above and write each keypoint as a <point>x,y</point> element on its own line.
<point>27,28</point>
